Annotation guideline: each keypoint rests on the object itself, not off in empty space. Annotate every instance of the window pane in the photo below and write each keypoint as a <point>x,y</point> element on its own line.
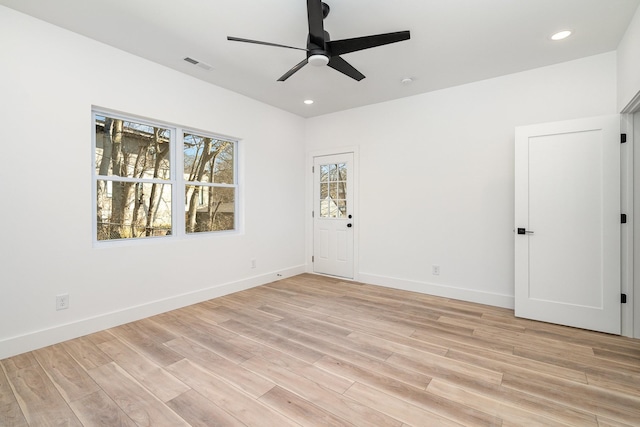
<point>131,149</point>
<point>342,190</point>
<point>333,190</point>
<point>131,210</point>
<point>324,191</point>
<point>333,173</point>
<point>324,173</point>
<point>208,159</point>
<point>342,209</point>
<point>216,213</point>
<point>342,172</point>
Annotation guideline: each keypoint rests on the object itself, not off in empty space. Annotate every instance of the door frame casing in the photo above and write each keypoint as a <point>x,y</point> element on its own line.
<point>355,184</point>
<point>630,179</point>
<point>627,230</point>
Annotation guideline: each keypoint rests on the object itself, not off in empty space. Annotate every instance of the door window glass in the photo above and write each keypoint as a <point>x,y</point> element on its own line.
<point>333,190</point>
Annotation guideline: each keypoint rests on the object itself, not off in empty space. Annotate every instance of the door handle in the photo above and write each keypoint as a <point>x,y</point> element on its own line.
<point>524,231</point>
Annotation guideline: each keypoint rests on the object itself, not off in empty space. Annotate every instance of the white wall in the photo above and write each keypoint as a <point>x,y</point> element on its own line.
<point>629,63</point>
<point>437,172</point>
<point>49,80</point>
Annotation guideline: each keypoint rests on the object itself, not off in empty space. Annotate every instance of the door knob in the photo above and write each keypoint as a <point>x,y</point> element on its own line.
<point>349,225</point>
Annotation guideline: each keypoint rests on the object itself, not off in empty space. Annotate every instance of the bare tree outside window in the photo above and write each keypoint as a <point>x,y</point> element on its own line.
<point>209,169</point>
<point>136,180</point>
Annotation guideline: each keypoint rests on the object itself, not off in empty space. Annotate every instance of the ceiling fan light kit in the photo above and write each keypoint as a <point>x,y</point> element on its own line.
<point>318,60</point>
<point>322,51</point>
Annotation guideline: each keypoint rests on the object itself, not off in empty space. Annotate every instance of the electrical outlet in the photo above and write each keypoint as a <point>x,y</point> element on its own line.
<point>62,302</point>
<point>435,270</point>
<point>253,263</point>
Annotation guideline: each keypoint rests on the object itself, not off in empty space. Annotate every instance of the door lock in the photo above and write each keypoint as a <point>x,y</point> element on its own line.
<point>524,231</point>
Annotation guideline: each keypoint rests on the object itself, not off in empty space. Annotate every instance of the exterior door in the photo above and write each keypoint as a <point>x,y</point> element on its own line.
<point>567,219</point>
<point>333,220</point>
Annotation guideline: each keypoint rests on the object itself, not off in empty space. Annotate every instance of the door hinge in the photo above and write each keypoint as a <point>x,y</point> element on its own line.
<point>313,258</point>
<point>623,298</point>
<point>313,214</point>
<point>313,169</point>
<point>623,218</point>
<point>623,138</point>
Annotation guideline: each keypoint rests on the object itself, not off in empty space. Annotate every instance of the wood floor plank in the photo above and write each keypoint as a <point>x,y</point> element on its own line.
<point>300,410</point>
<point>504,363</point>
<point>447,368</point>
<point>311,334</point>
<point>10,412</point>
<point>233,373</point>
<point>135,337</point>
<point>576,361</point>
<point>300,367</point>
<point>71,380</point>
<point>593,399</point>
<point>534,342</point>
<point>335,403</point>
<point>511,414</point>
<point>566,415</point>
<point>155,379</point>
<point>134,400</point>
<point>623,382</point>
<point>449,339</point>
<point>98,409</point>
<point>39,400</point>
<point>15,363</point>
<point>273,340</point>
<point>86,352</point>
<point>227,397</point>
<point>213,337</point>
<point>350,318</point>
<point>415,396</point>
<point>479,322</point>
<point>398,408</point>
<point>198,411</point>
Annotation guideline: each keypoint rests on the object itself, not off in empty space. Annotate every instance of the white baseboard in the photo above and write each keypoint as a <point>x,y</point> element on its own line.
<point>471,295</point>
<point>45,337</point>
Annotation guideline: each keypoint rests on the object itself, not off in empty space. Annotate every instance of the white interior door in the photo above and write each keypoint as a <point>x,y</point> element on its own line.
<point>333,220</point>
<point>567,219</point>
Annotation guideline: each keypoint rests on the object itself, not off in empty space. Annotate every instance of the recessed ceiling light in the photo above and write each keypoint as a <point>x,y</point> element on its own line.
<point>560,35</point>
<point>406,81</point>
<point>308,101</point>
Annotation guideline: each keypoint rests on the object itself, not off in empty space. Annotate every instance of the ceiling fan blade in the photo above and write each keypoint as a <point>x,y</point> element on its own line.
<point>292,71</point>
<point>340,47</point>
<point>316,27</point>
<point>237,39</point>
<point>344,67</point>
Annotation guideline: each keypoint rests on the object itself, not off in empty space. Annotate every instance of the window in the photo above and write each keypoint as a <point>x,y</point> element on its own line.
<point>209,174</point>
<point>154,180</point>
<point>333,190</point>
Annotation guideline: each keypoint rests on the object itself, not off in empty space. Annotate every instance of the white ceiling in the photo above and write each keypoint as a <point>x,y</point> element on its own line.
<point>452,41</point>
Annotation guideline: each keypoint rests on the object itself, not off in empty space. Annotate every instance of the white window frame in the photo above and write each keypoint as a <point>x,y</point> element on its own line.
<point>177,181</point>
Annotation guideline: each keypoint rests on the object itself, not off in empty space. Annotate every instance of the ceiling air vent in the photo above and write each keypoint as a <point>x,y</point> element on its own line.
<point>195,62</point>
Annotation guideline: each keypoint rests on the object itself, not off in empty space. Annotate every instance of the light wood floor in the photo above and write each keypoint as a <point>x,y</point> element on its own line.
<point>315,351</point>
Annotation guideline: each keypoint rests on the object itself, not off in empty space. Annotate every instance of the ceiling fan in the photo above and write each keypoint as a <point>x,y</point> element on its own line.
<point>322,51</point>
